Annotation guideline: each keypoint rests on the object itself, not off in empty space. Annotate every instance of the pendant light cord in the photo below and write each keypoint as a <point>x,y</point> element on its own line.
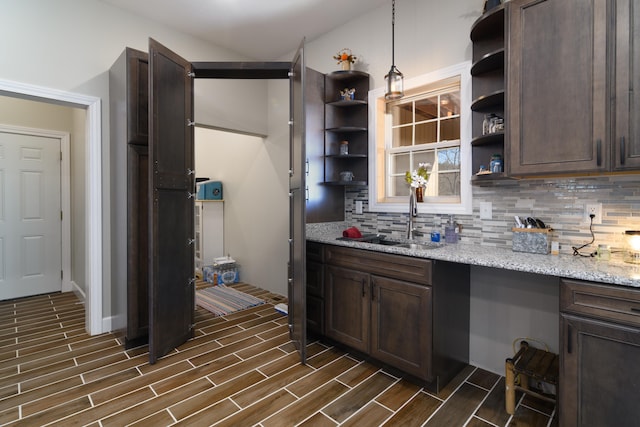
<point>393,33</point>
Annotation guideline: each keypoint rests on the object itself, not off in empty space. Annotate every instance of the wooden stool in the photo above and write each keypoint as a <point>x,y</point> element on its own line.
<point>529,362</point>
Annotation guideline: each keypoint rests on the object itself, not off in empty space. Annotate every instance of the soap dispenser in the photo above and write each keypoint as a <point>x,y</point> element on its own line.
<point>450,231</point>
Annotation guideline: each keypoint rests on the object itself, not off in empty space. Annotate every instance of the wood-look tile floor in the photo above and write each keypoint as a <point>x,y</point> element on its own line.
<point>238,370</point>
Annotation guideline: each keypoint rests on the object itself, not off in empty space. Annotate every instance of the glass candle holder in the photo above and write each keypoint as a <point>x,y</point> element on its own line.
<point>632,246</point>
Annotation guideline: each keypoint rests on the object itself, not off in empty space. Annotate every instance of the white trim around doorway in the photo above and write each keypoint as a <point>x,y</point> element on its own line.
<point>93,279</point>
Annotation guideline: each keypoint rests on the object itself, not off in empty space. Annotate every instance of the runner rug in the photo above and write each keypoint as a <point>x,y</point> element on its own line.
<point>222,300</point>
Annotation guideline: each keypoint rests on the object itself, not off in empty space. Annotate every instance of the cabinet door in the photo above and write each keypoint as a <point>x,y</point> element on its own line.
<point>401,325</point>
<point>137,244</point>
<point>347,307</point>
<point>171,187</point>
<point>599,374</point>
<point>315,296</point>
<point>137,97</point>
<point>296,291</point>
<point>556,86</point>
<point>626,143</point>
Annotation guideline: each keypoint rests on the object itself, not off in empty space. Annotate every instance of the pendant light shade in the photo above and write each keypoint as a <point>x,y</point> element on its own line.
<point>393,81</point>
<point>394,85</point>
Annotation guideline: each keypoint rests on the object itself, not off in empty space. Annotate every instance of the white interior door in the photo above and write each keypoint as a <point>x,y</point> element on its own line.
<point>30,215</point>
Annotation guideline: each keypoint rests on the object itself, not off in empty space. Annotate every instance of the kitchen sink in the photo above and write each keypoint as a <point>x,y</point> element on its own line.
<point>418,246</point>
<point>413,245</point>
<point>381,240</point>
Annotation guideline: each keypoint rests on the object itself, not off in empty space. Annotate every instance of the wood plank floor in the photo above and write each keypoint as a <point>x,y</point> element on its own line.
<point>239,370</point>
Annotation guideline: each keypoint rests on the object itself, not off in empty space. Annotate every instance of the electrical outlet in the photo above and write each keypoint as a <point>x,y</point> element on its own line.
<point>486,210</point>
<point>594,209</point>
<point>358,206</point>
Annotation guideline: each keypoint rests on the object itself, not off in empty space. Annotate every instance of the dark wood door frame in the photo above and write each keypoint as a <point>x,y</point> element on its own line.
<point>241,70</point>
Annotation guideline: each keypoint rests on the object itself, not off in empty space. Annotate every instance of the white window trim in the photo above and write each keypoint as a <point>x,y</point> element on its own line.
<point>377,167</point>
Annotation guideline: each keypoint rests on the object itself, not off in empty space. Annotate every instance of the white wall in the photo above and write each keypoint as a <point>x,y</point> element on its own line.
<point>506,305</point>
<point>429,35</point>
<point>255,205</point>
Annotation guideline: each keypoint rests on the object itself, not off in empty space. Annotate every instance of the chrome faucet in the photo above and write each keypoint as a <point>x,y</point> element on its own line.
<point>413,212</point>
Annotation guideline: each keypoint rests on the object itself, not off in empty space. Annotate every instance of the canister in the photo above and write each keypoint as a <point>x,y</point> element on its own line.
<point>344,148</point>
<point>632,246</point>
<point>496,164</point>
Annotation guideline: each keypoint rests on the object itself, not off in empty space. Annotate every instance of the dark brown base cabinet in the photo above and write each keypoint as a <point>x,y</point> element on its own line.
<point>599,369</point>
<point>315,289</point>
<point>409,313</point>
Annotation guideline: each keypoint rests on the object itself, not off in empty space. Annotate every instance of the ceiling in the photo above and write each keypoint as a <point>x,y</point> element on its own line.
<point>263,30</point>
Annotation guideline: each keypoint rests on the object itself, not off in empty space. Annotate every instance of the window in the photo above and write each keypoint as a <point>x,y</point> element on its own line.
<point>430,124</point>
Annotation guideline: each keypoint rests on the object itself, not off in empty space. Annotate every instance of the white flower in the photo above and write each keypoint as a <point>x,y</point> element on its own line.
<point>419,177</point>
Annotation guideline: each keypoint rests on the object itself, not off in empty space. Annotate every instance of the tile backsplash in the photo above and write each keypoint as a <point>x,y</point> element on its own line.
<point>560,203</point>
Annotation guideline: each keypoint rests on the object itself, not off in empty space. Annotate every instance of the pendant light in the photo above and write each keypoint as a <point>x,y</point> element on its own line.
<point>393,81</point>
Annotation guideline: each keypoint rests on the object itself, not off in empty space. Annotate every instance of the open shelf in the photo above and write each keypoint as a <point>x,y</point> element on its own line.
<point>489,101</point>
<point>489,139</point>
<point>489,24</point>
<point>347,103</point>
<point>489,62</point>
<point>347,183</point>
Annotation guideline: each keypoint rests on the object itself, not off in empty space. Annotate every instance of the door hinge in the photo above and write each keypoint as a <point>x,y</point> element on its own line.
<point>61,274</point>
<point>61,218</point>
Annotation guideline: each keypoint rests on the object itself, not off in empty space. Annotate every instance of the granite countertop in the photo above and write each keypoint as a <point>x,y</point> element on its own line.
<point>614,271</point>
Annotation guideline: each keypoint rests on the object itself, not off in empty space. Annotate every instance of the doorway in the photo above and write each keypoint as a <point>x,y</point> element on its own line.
<point>91,205</point>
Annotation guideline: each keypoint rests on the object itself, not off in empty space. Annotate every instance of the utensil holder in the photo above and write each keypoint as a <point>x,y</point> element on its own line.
<point>531,240</point>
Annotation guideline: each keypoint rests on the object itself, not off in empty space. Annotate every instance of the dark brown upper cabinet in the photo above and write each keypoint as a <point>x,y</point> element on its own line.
<point>572,67</point>
<point>557,87</point>
<point>488,88</point>
<point>626,138</point>
<point>346,119</point>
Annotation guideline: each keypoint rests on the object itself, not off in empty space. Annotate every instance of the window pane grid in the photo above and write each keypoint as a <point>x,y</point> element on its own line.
<point>425,128</point>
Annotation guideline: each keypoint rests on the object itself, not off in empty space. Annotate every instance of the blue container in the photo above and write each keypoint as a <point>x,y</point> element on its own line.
<point>209,190</point>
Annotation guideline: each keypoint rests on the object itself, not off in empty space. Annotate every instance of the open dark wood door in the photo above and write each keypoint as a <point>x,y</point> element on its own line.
<point>171,180</point>
<point>297,179</point>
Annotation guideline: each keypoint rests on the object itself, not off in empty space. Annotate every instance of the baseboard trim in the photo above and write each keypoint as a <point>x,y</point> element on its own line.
<point>79,292</point>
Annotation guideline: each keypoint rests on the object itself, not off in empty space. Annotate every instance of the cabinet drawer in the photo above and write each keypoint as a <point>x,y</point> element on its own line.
<point>601,301</point>
<point>415,270</point>
<point>314,251</point>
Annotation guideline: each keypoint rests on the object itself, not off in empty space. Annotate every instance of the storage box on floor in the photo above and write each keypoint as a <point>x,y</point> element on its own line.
<point>223,271</point>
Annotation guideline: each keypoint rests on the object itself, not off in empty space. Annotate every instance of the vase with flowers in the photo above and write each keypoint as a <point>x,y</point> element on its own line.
<point>418,179</point>
<point>345,58</point>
